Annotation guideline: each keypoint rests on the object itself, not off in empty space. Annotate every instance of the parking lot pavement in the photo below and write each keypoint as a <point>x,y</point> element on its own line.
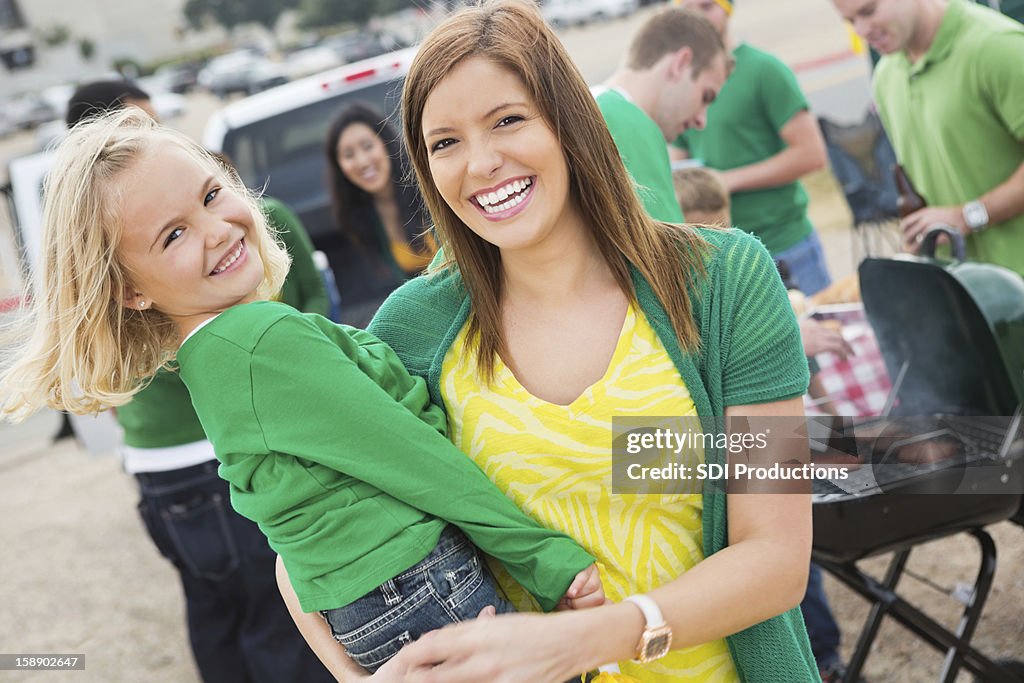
<point>29,438</point>
<point>79,575</point>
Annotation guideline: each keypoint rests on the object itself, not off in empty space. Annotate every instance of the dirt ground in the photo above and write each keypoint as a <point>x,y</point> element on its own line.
<point>79,575</point>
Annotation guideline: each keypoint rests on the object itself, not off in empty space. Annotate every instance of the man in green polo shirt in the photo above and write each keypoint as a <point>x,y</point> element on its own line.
<point>948,89</point>
<point>761,135</point>
<point>674,68</point>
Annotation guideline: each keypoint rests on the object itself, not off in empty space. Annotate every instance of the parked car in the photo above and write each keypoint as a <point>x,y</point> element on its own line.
<point>168,105</point>
<point>355,47</point>
<point>244,71</point>
<point>7,126</point>
<point>28,110</point>
<point>264,75</point>
<point>311,60</point>
<point>57,97</point>
<point>563,13</point>
<point>177,78</point>
<point>276,138</point>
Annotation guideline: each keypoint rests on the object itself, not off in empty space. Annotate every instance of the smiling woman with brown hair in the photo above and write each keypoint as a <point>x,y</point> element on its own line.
<point>561,305</point>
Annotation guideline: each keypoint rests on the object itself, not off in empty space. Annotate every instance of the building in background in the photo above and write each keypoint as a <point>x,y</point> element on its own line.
<point>46,42</point>
<point>16,48</point>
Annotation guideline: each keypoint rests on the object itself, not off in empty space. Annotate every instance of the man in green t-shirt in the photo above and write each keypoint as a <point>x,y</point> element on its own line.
<point>948,90</point>
<point>674,68</point>
<point>762,137</point>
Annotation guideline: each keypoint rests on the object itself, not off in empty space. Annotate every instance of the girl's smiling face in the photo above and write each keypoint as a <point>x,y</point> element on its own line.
<point>185,239</point>
<point>494,158</point>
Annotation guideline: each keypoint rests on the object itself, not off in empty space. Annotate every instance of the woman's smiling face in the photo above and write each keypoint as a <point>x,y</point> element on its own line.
<point>494,158</point>
<point>363,158</point>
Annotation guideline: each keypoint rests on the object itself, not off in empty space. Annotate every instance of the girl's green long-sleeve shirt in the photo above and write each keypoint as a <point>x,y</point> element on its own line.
<point>338,454</point>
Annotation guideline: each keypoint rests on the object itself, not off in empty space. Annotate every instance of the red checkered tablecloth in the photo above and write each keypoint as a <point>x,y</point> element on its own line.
<point>859,385</point>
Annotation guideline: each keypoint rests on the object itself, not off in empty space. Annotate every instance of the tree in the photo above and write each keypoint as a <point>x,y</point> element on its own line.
<point>320,13</point>
<point>389,6</point>
<point>316,14</point>
<point>55,35</point>
<point>232,13</point>
<point>86,48</point>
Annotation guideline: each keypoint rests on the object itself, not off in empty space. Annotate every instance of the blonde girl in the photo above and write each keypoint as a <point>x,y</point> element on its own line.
<point>153,251</point>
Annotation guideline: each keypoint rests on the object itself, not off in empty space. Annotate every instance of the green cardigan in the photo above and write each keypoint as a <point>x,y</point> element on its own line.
<point>750,353</point>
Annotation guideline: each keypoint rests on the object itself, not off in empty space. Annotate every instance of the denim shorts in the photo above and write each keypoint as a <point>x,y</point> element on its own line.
<point>449,585</point>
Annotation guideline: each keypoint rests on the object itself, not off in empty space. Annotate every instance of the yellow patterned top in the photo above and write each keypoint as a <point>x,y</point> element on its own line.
<point>554,461</point>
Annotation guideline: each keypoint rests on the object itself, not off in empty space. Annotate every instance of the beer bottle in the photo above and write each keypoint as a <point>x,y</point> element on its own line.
<point>909,200</point>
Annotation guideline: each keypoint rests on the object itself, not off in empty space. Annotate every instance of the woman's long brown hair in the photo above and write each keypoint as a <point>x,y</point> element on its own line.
<point>513,35</point>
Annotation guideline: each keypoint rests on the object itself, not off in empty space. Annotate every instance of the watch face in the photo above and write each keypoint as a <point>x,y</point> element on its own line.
<point>657,646</point>
<point>975,215</point>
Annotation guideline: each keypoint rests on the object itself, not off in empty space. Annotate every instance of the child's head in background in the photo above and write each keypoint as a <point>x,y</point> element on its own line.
<point>702,196</point>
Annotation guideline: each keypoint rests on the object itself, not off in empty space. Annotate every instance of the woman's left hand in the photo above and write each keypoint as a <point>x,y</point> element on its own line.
<point>506,649</point>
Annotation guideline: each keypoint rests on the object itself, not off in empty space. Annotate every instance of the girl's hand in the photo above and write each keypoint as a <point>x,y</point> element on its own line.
<point>510,648</point>
<point>585,591</point>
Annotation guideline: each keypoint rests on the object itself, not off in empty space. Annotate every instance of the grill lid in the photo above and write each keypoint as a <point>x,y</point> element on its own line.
<point>953,329</point>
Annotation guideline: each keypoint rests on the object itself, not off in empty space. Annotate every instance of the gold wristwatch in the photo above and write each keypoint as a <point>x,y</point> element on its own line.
<point>656,640</point>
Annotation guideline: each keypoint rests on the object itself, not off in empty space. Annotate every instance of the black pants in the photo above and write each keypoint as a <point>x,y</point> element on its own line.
<point>238,624</point>
<point>822,628</point>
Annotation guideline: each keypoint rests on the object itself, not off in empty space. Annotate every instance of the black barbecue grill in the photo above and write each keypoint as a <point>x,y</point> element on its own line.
<point>952,336</point>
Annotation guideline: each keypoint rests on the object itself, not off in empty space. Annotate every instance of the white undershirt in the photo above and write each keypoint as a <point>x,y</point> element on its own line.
<point>197,328</point>
<point>168,458</point>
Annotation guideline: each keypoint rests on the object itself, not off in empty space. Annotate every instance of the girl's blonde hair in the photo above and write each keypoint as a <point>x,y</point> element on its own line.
<point>80,349</point>
<point>513,35</point>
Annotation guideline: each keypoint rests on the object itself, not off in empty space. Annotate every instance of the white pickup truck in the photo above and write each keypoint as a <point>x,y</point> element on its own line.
<point>276,138</point>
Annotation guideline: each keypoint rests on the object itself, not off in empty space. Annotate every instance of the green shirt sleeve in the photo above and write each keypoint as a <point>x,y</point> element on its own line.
<point>381,364</point>
<point>781,96</point>
<point>344,391</point>
<point>304,287</point>
<point>762,355</point>
<point>644,154</point>
<point>1000,79</point>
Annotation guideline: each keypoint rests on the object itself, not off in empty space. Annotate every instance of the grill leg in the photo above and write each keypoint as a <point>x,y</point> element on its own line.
<point>885,602</point>
<point>972,612</point>
<point>875,617</point>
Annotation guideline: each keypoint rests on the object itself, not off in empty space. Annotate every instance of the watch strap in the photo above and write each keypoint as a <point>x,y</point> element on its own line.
<point>652,614</point>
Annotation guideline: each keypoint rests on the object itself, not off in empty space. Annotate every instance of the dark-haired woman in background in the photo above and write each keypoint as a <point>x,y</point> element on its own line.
<point>382,236</point>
